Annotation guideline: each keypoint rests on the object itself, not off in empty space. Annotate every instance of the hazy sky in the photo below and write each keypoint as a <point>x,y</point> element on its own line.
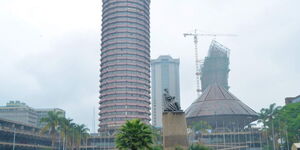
<point>50,49</point>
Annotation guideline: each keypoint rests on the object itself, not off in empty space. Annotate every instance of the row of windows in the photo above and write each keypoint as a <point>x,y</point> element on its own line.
<point>123,7</point>
<point>126,39</point>
<point>126,89</point>
<point>113,78</point>
<point>137,78</point>
<point>126,31</point>
<point>125,95</point>
<point>122,94</point>
<point>143,3</point>
<point>143,28</point>
<point>125,66</point>
<point>113,18</point>
<point>127,52</point>
<point>124,113</point>
<point>119,3</point>
<point>115,34</point>
<point>123,83</point>
<point>124,60</point>
<point>123,19</point>
<point>124,107</point>
<point>119,12</point>
<point>127,24</point>
<point>138,63</point>
<point>124,71</point>
<point>113,67</point>
<point>119,119</point>
<point>127,36</point>
<point>124,28</point>
<point>125,44</point>
<point>110,55</point>
<point>124,101</point>
<point>110,73</point>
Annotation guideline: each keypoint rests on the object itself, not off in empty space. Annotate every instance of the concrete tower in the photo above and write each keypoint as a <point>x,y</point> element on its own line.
<point>164,75</point>
<point>125,63</point>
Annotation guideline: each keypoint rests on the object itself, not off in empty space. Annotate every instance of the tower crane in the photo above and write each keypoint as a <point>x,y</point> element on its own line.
<point>197,61</point>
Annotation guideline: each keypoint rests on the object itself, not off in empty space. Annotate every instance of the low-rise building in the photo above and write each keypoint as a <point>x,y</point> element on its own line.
<point>20,112</point>
<point>289,100</point>
<point>20,136</point>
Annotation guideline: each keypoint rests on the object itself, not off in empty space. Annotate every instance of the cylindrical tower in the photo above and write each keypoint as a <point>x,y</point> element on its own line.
<point>125,62</point>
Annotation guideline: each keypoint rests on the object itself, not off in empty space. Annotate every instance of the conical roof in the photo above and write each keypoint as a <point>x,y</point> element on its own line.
<point>217,101</point>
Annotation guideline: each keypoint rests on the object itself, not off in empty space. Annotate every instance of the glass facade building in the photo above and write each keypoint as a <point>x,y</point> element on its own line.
<point>125,62</point>
<point>164,75</point>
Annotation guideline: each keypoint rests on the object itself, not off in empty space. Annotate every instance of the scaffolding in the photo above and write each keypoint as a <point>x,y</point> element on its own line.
<point>215,67</point>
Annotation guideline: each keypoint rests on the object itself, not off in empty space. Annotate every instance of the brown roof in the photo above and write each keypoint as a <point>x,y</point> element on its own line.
<point>216,100</point>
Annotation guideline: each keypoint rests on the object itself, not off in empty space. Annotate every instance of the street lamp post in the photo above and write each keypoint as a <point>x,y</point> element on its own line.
<point>14,141</point>
<point>273,139</point>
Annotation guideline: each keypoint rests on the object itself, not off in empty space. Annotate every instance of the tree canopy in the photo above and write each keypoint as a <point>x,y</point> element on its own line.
<point>134,135</point>
<point>281,124</point>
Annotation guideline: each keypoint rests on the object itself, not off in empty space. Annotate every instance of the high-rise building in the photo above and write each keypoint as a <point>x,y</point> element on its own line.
<point>215,67</point>
<point>164,75</point>
<point>125,63</point>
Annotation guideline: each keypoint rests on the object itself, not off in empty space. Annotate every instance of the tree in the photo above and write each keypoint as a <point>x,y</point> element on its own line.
<point>81,134</point>
<point>134,135</point>
<point>289,118</point>
<point>267,117</point>
<point>157,135</point>
<point>198,147</point>
<point>178,148</point>
<point>65,128</point>
<point>52,123</point>
<point>157,147</point>
<point>283,123</point>
<point>201,126</point>
<point>72,134</point>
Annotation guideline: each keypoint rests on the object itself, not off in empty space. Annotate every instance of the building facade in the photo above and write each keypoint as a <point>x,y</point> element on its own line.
<point>125,63</point>
<point>215,67</point>
<point>20,112</point>
<point>19,136</point>
<point>164,75</point>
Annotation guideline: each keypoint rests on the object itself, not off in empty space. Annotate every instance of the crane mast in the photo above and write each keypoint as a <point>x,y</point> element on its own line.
<point>197,67</point>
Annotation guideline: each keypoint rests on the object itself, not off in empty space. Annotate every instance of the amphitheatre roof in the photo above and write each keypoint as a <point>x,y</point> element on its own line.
<point>216,100</point>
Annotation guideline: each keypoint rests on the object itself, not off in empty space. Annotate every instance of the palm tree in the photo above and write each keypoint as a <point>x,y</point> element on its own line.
<point>65,127</point>
<point>81,134</point>
<point>52,123</point>
<point>134,135</point>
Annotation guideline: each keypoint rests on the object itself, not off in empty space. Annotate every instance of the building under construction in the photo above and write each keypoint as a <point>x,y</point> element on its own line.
<point>215,67</point>
<point>228,117</point>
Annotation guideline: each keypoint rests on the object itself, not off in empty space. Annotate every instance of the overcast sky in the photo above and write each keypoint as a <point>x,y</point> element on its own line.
<point>50,49</point>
